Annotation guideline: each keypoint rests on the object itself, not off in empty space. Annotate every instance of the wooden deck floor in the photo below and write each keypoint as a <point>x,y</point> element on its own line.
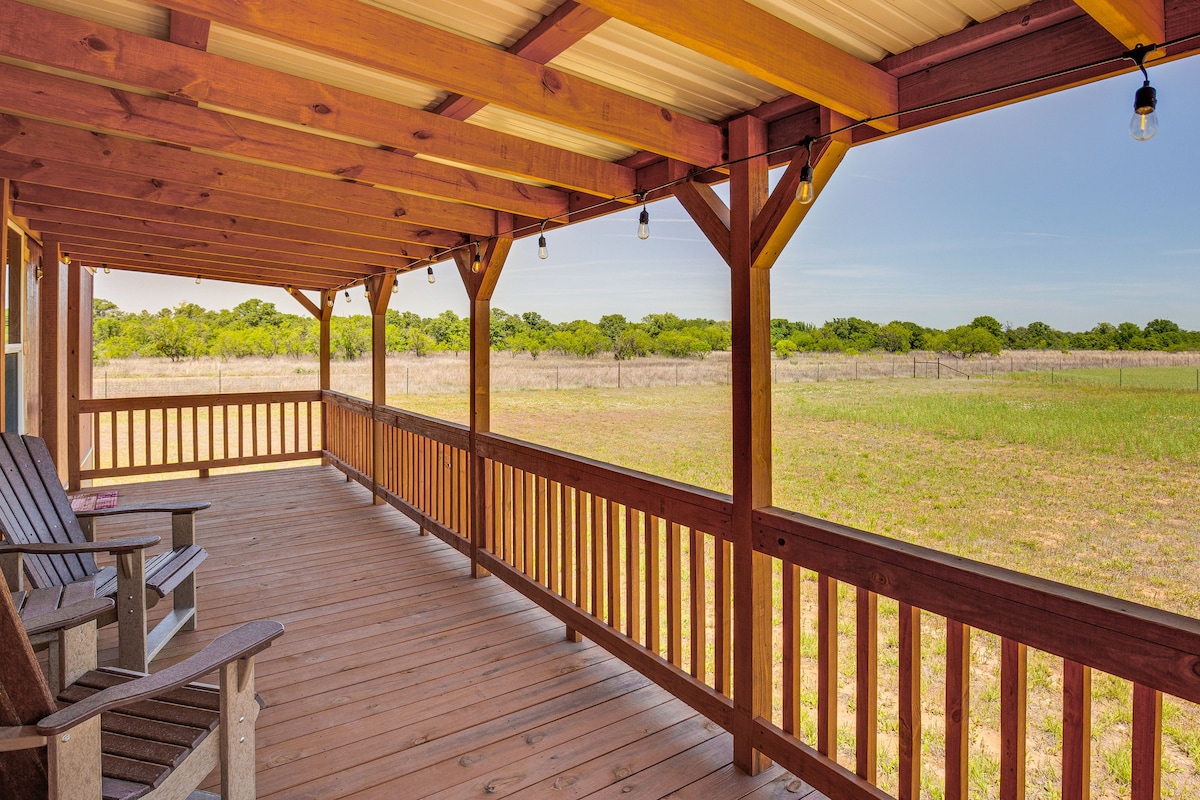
<point>401,677</point>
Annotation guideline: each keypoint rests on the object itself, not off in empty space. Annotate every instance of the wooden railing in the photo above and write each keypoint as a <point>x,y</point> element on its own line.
<point>423,462</point>
<point>146,435</point>
<point>869,634</point>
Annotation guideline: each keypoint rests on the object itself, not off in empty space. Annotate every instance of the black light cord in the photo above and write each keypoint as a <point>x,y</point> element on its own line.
<point>1137,55</point>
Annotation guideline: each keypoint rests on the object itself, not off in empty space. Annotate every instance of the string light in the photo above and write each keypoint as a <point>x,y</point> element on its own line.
<point>476,264</point>
<point>429,271</point>
<point>804,191</point>
<point>66,259</point>
<point>1144,124</point>
<point>347,293</point>
<point>329,299</point>
<point>395,287</point>
<point>107,271</point>
<point>197,280</point>
<point>1145,104</point>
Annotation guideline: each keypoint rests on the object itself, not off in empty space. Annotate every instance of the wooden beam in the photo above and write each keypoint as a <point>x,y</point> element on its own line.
<point>114,55</point>
<point>228,269</point>
<point>43,217</point>
<point>398,45</point>
<point>189,31</point>
<point>742,35</point>
<point>44,201</point>
<point>50,355</point>
<point>217,273</point>
<point>29,93</point>
<point>5,214</point>
<point>74,340</point>
<point>50,172</point>
<point>309,305</point>
<point>558,30</point>
<point>37,139</point>
<point>192,248</point>
<point>1131,22</point>
<point>708,211</point>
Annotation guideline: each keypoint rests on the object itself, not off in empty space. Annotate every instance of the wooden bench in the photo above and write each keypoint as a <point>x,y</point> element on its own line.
<point>45,542</point>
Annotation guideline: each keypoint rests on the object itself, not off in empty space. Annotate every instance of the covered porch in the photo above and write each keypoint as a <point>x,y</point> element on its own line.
<point>567,627</point>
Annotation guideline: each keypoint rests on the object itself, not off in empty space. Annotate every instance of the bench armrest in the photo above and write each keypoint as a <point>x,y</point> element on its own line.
<point>126,544</point>
<point>158,508</point>
<point>246,641</point>
<point>67,617</point>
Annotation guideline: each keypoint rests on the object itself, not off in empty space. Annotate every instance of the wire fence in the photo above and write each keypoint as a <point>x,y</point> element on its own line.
<point>446,373</point>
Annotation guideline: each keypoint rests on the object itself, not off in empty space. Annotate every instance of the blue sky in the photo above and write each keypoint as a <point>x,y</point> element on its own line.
<point>1046,210</point>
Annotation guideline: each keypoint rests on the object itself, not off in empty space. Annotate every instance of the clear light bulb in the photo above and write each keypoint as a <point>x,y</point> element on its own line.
<point>543,253</point>
<point>395,287</point>
<point>477,263</point>
<point>432,280</point>
<point>66,259</point>
<point>107,271</point>
<point>804,192</point>
<point>366,292</point>
<point>329,301</point>
<point>1144,124</point>
<point>644,224</point>
<point>347,296</point>
<point>197,280</point>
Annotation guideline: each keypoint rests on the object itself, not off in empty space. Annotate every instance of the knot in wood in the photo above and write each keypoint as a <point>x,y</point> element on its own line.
<point>399,212</point>
<point>551,80</point>
<point>96,43</point>
<point>666,114</point>
<point>422,135</point>
<point>321,108</point>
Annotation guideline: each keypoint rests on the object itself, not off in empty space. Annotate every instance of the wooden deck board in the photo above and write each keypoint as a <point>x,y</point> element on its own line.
<point>399,676</point>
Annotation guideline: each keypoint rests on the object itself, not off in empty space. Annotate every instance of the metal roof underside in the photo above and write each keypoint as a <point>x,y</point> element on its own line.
<point>314,143</point>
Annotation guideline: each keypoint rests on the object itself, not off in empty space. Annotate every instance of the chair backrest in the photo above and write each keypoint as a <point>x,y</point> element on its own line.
<point>35,509</point>
<point>24,699</point>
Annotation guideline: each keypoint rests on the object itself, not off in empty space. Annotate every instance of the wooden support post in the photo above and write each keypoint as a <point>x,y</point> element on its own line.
<point>379,290</point>
<point>479,279</point>
<point>74,334</point>
<point>50,358</point>
<point>323,311</point>
<point>749,235</point>
<point>751,315</point>
<point>6,188</point>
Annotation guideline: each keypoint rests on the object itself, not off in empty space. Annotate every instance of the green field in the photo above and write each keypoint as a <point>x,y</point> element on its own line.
<point>1180,377</point>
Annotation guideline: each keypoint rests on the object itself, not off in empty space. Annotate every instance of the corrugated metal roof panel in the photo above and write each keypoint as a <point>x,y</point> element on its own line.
<point>499,22</point>
<point>527,127</point>
<point>131,15</point>
<point>263,52</point>
<point>636,62</point>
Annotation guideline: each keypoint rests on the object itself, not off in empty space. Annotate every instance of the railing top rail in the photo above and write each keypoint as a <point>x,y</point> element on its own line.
<point>451,433</point>
<point>1148,645</point>
<point>703,509</point>
<point>94,404</point>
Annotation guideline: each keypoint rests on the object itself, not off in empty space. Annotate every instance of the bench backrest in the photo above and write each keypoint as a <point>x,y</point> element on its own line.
<point>35,509</point>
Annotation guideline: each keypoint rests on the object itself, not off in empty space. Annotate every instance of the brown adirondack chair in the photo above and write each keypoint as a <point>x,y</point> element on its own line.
<point>162,735</point>
<point>44,541</point>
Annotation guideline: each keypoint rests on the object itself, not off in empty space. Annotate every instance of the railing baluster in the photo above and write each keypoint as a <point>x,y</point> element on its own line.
<point>528,502</point>
<point>827,666</point>
<point>633,575</point>
<point>582,578</point>
<point>792,707</point>
<point>612,564</point>
<point>723,615</point>
<point>910,702</point>
<point>1077,731</point>
<point>1013,700</point>
<point>550,498</point>
<point>674,594</point>
<point>958,705</point>
<point>699,612</point>
<point>651,530</point>
<point>597,556</point>
<point>1146,772</point>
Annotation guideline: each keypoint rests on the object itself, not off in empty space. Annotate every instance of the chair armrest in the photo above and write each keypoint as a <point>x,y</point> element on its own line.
<point>160,508</point>
<point>127,544</point>
<point>67,616</point>
<point>249,639</point>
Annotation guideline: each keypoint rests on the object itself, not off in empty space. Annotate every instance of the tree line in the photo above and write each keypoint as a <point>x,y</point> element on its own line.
<point>257,328</point>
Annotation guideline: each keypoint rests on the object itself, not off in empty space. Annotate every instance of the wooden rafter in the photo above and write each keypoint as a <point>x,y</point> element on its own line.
<point>375,38</point>
<point>218,272</point>
<point>125,227</point>
<point>63,205</point>
<point>26,92</point>
<point>37,139</point>
<point>743,35</point>
<point>1132,22</point>
<point>53,39</point>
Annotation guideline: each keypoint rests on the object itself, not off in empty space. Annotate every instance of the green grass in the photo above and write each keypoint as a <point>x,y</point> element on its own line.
<point>1180,377</point>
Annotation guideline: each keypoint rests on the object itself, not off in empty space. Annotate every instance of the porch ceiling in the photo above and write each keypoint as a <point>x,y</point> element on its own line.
<point>313,143</point>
